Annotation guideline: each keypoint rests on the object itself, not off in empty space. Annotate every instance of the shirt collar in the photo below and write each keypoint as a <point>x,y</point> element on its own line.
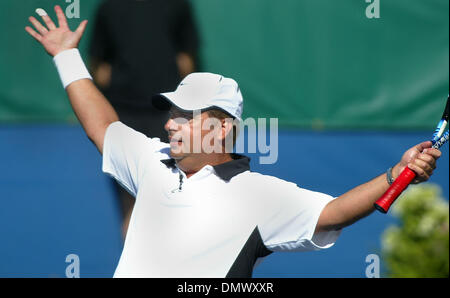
<point>225,171</point>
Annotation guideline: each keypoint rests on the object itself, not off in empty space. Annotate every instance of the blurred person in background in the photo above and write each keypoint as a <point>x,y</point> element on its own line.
<point>128,67</point>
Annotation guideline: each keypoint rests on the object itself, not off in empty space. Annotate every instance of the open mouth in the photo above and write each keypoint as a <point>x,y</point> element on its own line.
<point>173,141</point>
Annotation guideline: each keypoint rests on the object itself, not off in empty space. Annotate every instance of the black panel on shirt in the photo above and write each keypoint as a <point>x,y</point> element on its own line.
<point>253,249</point>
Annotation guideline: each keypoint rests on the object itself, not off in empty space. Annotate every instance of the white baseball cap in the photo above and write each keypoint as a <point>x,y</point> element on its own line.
<point>203,90</point>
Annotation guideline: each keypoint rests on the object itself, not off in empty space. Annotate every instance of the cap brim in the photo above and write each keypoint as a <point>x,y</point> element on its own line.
<point>164,101</point>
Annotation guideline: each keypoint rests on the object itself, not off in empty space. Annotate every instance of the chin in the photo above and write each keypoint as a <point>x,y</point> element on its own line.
<point>176,154</point>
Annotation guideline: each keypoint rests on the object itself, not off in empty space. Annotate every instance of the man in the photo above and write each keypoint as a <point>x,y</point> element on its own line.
<point>199,213</point>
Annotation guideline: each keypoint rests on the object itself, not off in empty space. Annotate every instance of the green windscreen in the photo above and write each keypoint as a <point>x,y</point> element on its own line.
<point>320,64</point>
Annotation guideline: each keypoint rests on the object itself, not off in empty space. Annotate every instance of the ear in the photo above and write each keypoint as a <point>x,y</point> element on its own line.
<point>226,128</point>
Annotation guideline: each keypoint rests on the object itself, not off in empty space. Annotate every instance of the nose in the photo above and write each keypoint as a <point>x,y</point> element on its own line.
<point>168,124</point>
<point>171,125</point>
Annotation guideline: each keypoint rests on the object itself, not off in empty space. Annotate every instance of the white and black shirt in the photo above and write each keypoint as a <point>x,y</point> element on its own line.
<point>217,223</point>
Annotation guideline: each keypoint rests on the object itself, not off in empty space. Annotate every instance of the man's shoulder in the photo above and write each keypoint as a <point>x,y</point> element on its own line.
<point>123,135</point>
<point>264,180</point>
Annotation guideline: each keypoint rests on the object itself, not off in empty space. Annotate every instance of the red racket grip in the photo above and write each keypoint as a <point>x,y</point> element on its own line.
<point>397,187</point>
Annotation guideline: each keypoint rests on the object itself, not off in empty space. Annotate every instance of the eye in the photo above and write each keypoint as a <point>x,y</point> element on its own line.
<point>180,120</point>
<point>175,113</point>
<point>187,115</point>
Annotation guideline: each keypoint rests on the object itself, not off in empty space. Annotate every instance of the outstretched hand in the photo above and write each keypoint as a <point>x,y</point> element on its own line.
<point>421,159</point>
<point>56,39</point>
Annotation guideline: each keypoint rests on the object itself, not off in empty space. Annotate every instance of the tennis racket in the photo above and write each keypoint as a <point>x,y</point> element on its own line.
<point>407,175</point>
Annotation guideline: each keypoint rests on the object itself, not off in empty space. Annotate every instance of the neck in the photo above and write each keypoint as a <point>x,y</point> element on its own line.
<point>192,164</point>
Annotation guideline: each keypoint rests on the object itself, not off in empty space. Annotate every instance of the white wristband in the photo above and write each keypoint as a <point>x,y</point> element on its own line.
<point>71,67</point>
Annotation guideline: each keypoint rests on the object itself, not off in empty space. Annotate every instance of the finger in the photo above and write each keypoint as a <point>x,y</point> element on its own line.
<point>62,21</point>
<point>429,159</point>
<point>424,165</point>
<point>42,30</point>
<point>33,33</point>
<point>422,175</point>
<point>421,169</point>
<point>43,14</point>
<point>81,28</point>
<point>49,22</point>
<point>424,145</point>
<point>436,153</point>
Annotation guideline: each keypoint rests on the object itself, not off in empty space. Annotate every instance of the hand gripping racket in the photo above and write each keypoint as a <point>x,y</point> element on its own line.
<point>408,175</point>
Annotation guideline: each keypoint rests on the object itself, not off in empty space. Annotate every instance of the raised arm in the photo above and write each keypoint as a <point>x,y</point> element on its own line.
<point>93,110</point>
<point>358,202</point>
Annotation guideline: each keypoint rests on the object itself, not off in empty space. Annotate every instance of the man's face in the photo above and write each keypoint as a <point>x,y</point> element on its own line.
<point>190,132</point>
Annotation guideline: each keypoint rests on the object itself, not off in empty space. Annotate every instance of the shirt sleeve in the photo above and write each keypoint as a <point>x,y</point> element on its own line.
<point>291,223</point>
<point>123,152</point>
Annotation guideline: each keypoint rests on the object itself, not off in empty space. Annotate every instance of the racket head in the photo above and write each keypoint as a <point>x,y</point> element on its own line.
<point>445,115</point>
